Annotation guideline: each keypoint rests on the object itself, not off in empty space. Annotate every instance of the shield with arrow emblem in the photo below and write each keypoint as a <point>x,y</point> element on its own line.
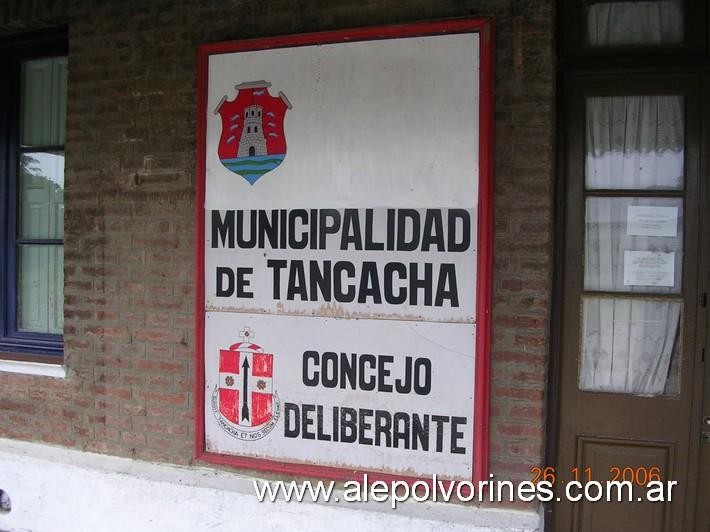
<point>244,400</point>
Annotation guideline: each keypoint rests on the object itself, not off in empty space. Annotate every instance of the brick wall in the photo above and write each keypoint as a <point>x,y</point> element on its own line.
<point>130,188</point>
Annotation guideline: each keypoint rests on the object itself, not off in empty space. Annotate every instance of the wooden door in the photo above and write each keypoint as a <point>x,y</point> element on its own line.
<point>630,353</point>
<point>702,521</point>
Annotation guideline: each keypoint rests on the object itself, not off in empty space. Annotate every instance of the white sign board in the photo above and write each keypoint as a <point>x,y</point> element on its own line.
<point>341,248</point>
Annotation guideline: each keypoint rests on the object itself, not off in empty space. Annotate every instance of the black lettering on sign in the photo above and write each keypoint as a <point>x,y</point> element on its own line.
<point>297,282</point>
<point>351,230</point>
<point>243,241</point>
<point>405,217</point>
<point>457,435</point>
<point>307,421</point>
<point>269,229</point>
<point>422,376</point>
<point>310,378</point>
<point>321,435</point>
<point>329,224</point>
<point>400,430</point>
<point>276,266</point>
<point>412,283</point>
<point>433,233</point>
<point>243,283</point>
<point>403,230</point>
<point>314,229</point>
<point>320,280</point>
<point>420,432</point>
<point>348,424</point>
<point>456,215</point>
<point>223,229</point>
<point>383,428</point>
<point>292,422</point>
<point>294,242</point>
<point>370,243</point>
<point>369,284</point>
<point>447,287</point>
<point>383,373</point>
<point>329,372</point>
<point>340,268</point>
<point>390,229</point>
<point>225,281</point>
<point>392,268</point>
<point>366,372</point>
<point>283,228</point>
<point>369,384</point>
<point>439,421</point>
<point>365,426</point>
<point>348,371</point>
<point>417,283</point>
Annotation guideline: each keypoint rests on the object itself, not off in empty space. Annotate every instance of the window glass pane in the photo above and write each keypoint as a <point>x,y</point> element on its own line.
<point>630,346</point>
<point>635,142</point>
<point>633,244</point>
<point>44,102</point>
<point>40,288</point>
<point>635,23</point>
<point>41,195</point>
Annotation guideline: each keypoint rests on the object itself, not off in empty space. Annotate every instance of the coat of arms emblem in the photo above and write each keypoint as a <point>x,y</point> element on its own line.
<point>244,401</point>
<point>252,141</point>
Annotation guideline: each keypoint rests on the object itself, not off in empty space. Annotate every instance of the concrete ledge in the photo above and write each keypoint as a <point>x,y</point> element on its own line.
<point>56,489</point>
<point>33,368</point>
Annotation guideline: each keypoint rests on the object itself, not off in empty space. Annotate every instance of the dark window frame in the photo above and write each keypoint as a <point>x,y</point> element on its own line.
<point>695,43</point>
<point>15,344</point>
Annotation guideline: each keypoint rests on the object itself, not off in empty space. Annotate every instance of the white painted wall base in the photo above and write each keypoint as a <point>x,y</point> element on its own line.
<point>55,489</point>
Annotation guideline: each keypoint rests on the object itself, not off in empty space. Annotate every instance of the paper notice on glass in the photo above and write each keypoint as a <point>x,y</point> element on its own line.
<point>649,268</point>
<point>647,220</point>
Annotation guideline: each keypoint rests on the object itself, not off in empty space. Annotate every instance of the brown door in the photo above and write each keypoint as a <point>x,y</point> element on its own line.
<point>702,522</point>
<point>631,369</point>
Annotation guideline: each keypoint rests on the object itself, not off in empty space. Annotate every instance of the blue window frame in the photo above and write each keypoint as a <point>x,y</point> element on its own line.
<point>32,114</point>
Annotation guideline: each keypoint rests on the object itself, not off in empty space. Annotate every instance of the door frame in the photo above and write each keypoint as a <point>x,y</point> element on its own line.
<point>702,485</point>
<point>699,155</point>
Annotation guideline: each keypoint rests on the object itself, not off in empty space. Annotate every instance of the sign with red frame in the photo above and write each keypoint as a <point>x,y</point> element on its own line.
<point>344,252</point>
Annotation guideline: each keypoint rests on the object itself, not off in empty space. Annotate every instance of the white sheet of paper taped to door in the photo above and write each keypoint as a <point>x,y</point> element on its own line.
<point>648,220</point>
<point>649,268</point>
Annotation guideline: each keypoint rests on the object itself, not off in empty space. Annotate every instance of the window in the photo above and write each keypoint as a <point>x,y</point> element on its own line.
<point>635,23</point>
<point>634,27</point>
<point>633,251</point>
<point>32,129</point>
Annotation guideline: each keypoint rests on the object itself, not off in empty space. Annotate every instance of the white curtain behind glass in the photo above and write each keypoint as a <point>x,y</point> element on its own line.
<point>635,23</point>
<point>628,345</point>
<point>633,142</point>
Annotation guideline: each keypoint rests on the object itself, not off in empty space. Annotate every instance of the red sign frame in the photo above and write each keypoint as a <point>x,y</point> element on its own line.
<point>485,28</point>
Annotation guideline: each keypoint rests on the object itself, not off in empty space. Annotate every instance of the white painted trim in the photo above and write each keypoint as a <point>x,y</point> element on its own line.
<point>33,368</point>
<point>57,489</point>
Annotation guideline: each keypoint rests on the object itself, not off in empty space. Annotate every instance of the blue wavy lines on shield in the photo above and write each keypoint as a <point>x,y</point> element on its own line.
<point>252,168</point>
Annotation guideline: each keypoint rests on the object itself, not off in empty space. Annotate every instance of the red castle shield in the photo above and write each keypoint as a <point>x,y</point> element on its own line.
<point>246,384</point>
<point>252,141</point>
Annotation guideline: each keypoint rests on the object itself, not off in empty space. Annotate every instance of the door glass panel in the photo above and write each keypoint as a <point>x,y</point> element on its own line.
<point>633,244</point>
<point>635,23</point>
<point>42,195</point>
<point>635,142</point>
<point>630,346</point>
<point>40,288</point>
